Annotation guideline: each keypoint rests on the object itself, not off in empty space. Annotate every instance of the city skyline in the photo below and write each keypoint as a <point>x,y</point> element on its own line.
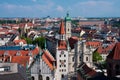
<point>55,8</point>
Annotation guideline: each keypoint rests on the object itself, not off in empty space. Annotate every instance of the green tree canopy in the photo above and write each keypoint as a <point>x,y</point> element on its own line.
<point>96,57</point>
<point>40,41</point>
<point>28,40</point>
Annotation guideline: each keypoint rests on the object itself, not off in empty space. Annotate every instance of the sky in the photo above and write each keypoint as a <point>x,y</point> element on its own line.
<point>59,8</point>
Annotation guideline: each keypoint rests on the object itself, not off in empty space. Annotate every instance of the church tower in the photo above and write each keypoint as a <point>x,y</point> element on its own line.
<point>61,55</point>
<point>68,26</point>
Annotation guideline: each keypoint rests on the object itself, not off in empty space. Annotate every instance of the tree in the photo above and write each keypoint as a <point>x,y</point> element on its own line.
<point>96,57</point>
<point>40,41</point>
<point>28,40</point>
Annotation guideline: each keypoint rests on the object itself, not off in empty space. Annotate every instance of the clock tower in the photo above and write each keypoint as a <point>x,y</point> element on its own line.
<point>61,55</point>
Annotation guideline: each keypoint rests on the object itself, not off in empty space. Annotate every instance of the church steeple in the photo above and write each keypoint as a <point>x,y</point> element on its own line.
<point>62,29</point>
<point>62,42</point>
<point>68,26</point>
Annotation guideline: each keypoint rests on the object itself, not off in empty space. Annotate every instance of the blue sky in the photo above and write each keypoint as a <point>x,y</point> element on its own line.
<point>58,8</point>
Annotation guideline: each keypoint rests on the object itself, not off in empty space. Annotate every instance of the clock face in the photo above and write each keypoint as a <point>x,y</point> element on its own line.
<point>62,52</point>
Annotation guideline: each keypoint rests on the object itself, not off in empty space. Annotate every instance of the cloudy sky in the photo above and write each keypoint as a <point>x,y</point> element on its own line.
<point>58,8</point>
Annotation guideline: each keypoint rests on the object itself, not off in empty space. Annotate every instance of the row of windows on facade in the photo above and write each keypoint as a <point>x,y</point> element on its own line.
<point>87,58</point>
<point>62,70</point>
<point>65,60</point>
<point>63,65</point>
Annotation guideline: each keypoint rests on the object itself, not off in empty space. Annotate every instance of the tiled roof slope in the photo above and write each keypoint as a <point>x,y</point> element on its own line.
<point>48,59</point>
<point>115,53</point>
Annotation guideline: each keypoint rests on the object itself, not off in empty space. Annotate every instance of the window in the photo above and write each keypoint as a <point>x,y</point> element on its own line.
<point>86,58</point>
<point>62,76</point>
<point>33,78</point>
<point>64,60</point>
<point>47,78</point>
<point>73,59</point>
<point>68,29</point>
<point>64,65</point>
<point>60,65</point>
<point>6,53</point>
<point>64,55</point>
<point>30,53</point>
<point>18,53</point>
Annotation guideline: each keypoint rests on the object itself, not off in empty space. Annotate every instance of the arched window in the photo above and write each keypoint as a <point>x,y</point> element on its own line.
<point>86,58</point>
<point>73,59</point>
<point>32,78</point>
<point>40,77</point>
<point>62,76</point>
<point>47,78</point>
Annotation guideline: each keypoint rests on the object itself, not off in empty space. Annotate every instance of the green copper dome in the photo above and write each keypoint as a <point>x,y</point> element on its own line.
<point>67,18</point>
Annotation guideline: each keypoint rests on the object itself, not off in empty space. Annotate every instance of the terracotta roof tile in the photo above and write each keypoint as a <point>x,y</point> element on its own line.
<point>72,41</point>
<point>94,43</point>
<point>35,51</point>
<point>115,53</point>
<point>105,50</point>
<point>62,29</point>
<point>18,41</point>
<point>48,58</point>
<point>62,45</point>
<point>85,70</point>
<point>23,60</point>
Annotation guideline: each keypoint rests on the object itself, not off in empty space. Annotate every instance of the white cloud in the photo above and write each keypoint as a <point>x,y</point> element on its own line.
<point>60,9</point>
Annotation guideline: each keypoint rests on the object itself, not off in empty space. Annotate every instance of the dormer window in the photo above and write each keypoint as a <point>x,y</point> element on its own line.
<point>30,53</point>
<point>6,53</point>
<point>18,53</point>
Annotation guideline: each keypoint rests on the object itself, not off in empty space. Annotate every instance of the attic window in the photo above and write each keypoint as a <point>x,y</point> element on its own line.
<point>18,53</point>
<point>30,53</point>
<point>6,53</point>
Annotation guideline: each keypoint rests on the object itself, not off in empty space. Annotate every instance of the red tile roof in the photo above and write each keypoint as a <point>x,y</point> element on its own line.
<point>94,44</point>
<point>30,24</point>
<point>72,41</point>
<point>62,45</point>
<point>115,53</point>
<point>22,52</point>
<point>18,41</point>
<point>105,50</point>
<point>48,59</point>
<point>62,29</point>
<point>85,70</point>
<point>23,60</point>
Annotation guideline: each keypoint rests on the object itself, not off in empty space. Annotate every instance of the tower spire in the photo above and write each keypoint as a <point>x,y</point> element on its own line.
<point>61,42</point>
<point>62,29</point>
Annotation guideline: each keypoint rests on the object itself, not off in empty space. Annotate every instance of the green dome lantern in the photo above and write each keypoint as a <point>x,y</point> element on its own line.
<point>67,18</point>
